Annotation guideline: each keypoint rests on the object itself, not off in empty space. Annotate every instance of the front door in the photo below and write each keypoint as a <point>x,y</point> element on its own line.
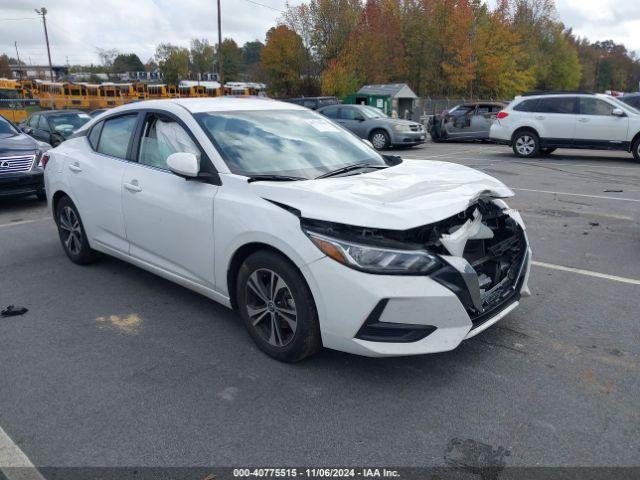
<point>352,119</point>
<point>169,220</point>
<point>597,126</point>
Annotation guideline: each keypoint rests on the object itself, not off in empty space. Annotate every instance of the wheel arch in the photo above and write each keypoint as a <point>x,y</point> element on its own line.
<point>523,129</point>
<point>55,200</point>
<point>633,141</point>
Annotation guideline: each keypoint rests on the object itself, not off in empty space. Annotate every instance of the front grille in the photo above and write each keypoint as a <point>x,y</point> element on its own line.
<point>16,164</point>
<point>416,128</point>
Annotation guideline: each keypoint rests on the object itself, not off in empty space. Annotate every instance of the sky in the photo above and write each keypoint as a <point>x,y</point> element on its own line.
<point>78,27</point>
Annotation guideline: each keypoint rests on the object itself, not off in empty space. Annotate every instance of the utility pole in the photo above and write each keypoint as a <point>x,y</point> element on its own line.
<point>43,13</point>
<point>220,77</point>
<point>18,55</point>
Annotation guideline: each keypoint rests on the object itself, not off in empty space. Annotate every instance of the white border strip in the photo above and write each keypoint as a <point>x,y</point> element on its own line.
<point>588,273</point>
<point>14,464</point>
<point>22,222</point>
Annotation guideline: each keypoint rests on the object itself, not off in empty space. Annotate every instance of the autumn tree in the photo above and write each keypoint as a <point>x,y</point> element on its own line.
<point>173,62</point>
<point>282,61</point>
<point>5,70</point>
<point>231,60</point>
<point>202,56</point>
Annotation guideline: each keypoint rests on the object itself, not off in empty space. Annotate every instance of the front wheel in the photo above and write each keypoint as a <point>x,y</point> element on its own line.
<point>526,144</point>
<point>277,307</point>
<point>72,235</point>
<point>379,139</point>
<point>636,150</point>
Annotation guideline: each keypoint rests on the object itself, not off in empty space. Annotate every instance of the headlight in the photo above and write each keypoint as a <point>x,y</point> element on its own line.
<point>373,259</point>
<point>402,128</point>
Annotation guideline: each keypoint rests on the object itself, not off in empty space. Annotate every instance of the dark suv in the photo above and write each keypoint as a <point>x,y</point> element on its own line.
<point>20,170</point>
<point>314,103</point>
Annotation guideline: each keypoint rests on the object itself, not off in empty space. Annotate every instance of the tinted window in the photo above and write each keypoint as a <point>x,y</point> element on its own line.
<point>461,110</point>
<point>331,112</point>
<point>483,109</point>
<point>556,105</point>
<point>327,101</point>
<point>116,134</point>
<point>349,114</point>
<point>33,121</point>
<point>527,105</point>
<point>161,137</point>
<point>633,101</point>
<point>94,136</point>
<point>43,124</point>
<point>595,106</point>
<point>69,121</point>
<point>6,128</point>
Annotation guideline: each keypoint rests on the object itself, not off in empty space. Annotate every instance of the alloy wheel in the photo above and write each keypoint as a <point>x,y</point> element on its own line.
<point>271,308</point>
<point>525,145</point>
<point>71,230</point>
<point>378,141</point>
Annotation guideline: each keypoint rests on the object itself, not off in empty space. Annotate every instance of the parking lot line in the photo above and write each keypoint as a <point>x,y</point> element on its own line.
<point>14,464</point>
<point>22,222</point>
<point>603,197</point>
<point>588,273</point>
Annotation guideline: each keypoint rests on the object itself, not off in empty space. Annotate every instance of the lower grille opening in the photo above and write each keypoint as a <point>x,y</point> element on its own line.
<point>374,330</point>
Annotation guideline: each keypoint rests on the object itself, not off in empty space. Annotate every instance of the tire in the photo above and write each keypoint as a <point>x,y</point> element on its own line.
<point>284,325</point>
<point>379,139</point>
<point>435,138</point>
<point>547,151</point>
<point>526,144</point>
<point>42,196</point>
<point>72,235</point>
<point>636,150</point>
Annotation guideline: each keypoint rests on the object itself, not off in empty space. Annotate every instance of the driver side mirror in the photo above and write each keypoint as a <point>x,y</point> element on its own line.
<point>360,118</point>
<point>618,112</point>
<point>184,164</point>
<point>27,130</point>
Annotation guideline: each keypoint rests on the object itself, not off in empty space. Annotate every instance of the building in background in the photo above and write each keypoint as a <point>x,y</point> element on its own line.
<point>390,98</point>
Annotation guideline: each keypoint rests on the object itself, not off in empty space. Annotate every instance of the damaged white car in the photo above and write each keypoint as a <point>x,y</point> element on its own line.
<point>313,236</point>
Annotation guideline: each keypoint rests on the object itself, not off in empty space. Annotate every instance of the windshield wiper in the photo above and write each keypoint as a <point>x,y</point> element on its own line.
<point>348,168</point>
<point>273,178</point>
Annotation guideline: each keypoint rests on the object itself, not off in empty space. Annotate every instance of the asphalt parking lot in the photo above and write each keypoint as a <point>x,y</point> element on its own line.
<point>113,366</point>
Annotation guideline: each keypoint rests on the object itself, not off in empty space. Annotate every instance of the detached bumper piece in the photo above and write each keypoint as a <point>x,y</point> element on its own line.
<point>21,183</point>
<point>374,330</point>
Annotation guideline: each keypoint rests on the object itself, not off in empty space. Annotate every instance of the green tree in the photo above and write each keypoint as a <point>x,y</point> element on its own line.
<point>202,56</point>
<point>282,61</point>
<point>231,60</point>
<point>127,62</point>
<point>5,70</point>
<point>173,62</point>
<point>251,52</point>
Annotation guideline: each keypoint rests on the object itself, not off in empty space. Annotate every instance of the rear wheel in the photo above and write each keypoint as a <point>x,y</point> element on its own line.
<point>379,139</point>
<point>277,307</point>
<point>72,236</point>
<point>636,150</point>
<point>526,144</point>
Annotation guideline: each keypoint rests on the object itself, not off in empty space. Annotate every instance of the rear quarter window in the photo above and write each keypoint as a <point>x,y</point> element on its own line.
<point>527,105</point>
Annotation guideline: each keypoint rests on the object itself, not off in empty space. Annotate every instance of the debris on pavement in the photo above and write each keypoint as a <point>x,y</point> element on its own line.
<point>613,190</point>
<point>13,311</point>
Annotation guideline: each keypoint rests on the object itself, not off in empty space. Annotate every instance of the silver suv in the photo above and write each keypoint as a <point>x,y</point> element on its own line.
<point>536,124</point>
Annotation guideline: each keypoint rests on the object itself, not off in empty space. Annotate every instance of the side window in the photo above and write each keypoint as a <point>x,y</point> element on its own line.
<point>349,114</point>
<point>116,135</point>
<point>595,106</point>
<point>461,111</point>
<point>162,136</point>
<point>44,124</point>
<point>33,121</point>
<point>483,110</point>
<point>331,112</point>
<point>564,105</point>
<point>527,105</point>
<point>94,135</point>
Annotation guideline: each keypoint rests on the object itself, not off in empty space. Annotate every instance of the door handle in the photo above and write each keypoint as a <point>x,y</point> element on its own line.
<point>74,167</point>
<point>133,187</point>
<point>540,117</point>
<point>583,120</point>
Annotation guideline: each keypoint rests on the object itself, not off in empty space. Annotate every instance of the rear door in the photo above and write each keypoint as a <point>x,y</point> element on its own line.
<point>95,171</point>
<point>597,126</point>
<point>169,220</point>
<point>458,121</point>
<point>555,119</point>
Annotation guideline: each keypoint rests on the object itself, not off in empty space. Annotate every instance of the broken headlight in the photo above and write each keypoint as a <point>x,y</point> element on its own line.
<point>376,259</point>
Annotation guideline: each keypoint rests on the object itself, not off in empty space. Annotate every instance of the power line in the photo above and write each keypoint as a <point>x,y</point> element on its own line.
<point>265,6</point>
<point>21,18</point>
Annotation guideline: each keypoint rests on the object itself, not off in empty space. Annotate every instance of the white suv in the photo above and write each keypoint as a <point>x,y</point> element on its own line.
<point>536,124</point>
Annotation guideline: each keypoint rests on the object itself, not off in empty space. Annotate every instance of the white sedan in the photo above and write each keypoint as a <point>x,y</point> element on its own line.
<point>311,235</point>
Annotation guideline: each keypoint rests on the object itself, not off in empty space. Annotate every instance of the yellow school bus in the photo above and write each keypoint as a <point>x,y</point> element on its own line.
<point>127,91</point>
<point>75,96</point>
<point>172,91</point>
<point>141,90</point>
<point>157,91</point>
<point>12,102</point>
<point>110,96</point>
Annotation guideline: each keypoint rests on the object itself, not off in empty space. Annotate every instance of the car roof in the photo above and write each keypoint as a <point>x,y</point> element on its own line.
<point>216,104</point>
<point>50,113</point>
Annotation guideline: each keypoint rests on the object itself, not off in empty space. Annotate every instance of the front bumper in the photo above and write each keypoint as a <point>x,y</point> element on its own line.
<point>22,183</point>
<point>408,138</point>
<point>347,299</point>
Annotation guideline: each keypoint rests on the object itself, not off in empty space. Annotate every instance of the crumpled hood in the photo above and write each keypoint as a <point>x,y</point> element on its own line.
<point>414,193</point>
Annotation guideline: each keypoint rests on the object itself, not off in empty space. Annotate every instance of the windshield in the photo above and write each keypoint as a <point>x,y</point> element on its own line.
<point>624,105</point>
<point>372,112</point>
<point>68,121</point>
<point>6,129</point>
<point>296,143</point>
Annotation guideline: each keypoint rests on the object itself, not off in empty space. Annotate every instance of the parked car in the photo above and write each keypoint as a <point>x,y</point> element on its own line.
<point>314,103</point>
<point>540,123</point>
<point>313,236</point>
<point>21,172</point>
<point>632,99</point>
<point>470,121</point>
<point>372,124</point>
<point>54,126</point>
